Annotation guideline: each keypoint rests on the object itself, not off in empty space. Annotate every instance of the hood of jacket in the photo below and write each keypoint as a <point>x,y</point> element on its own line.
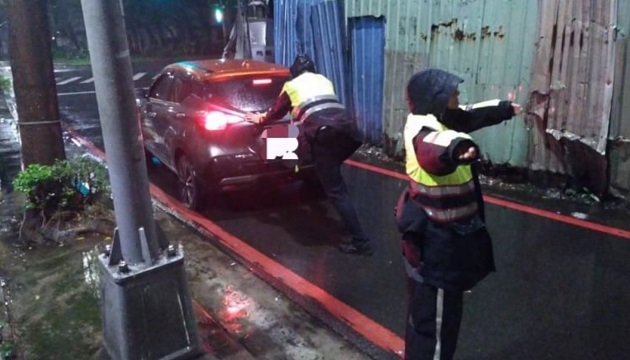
<point>428,91</point>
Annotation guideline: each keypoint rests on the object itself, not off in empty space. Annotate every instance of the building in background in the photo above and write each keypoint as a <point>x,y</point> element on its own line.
<point>251,36</point>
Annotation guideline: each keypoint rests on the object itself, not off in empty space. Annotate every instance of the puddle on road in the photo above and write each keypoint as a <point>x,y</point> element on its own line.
<point>91,272</point>
<point>52,296</point>
<point>10,159</point>
<point>235,311</point>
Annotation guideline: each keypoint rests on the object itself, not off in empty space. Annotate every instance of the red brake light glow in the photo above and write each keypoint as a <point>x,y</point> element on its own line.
<point>261,81</point>
<point>217,120</point>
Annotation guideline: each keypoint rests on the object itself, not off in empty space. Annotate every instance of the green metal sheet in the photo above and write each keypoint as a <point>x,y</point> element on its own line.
<point>489,43</point>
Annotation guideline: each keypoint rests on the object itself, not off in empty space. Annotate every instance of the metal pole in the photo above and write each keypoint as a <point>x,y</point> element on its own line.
<point>111,67</point>
<point>146,305</point>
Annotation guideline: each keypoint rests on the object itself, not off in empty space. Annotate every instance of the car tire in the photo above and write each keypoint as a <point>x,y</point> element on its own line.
<point>190,190</point>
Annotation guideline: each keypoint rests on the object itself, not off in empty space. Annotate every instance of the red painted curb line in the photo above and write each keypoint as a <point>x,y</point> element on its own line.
<point>372,331</point>
<point>369,329</point>
<point>512,205</point>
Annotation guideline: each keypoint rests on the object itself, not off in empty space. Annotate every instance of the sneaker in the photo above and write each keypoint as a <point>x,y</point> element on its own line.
<point>356,248</point>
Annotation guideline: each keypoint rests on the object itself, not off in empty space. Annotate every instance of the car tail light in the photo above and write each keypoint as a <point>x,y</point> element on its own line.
<point>217,120</point>
<point>261,81</point>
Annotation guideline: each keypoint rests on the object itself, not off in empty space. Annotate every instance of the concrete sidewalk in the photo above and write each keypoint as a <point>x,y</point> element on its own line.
<point>51,290</point>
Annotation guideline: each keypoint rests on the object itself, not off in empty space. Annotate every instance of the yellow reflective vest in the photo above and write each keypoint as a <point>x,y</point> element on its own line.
<point>310,93</point>
<point>447,197</point>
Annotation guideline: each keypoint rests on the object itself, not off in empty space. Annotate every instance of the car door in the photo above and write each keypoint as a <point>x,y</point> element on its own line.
<point>156,117</point>
<point>181,113</point>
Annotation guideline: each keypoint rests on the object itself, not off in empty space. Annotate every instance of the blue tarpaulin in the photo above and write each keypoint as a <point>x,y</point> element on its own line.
<point>316,28</point>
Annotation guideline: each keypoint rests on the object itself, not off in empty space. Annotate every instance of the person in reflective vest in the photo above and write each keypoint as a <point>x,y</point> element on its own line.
<point>331,135</point>
<point>446,247</point>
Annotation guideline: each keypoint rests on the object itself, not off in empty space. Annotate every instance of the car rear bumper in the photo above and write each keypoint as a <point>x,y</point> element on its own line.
<point>246,180</point>
<point>229,172</point>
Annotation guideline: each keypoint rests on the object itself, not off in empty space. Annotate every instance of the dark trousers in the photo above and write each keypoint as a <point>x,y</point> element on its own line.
<point>433,321</point>
<point>328,168</point>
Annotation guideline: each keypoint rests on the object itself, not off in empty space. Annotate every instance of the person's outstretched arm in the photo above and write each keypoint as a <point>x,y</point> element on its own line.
<point>440,152</point>
<point>476,116</point>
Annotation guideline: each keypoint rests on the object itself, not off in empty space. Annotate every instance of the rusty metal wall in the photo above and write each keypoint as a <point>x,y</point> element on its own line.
<point>564,59</point>
<point>619,146</point>
<point>489,43</point>
<point>572,89</point>
<point>574,69</point>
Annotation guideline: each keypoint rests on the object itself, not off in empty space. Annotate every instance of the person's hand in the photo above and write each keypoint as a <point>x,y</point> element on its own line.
<point>469,154</point>
<point>255,118</point>
<point>518,109</point>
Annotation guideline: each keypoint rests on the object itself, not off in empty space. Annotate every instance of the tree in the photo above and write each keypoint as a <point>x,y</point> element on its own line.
<point>34,82</point>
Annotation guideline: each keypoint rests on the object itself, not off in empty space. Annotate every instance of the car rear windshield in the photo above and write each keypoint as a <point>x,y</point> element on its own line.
<point>247,93</point>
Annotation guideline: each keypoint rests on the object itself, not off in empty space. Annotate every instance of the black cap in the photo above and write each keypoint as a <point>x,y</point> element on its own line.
<point>301,64</point>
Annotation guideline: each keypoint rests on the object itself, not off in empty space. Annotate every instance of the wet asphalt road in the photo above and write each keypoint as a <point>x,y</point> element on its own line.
<point>560,291</point>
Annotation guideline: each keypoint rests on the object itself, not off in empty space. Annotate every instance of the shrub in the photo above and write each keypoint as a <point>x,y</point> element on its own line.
<point>68,185</point>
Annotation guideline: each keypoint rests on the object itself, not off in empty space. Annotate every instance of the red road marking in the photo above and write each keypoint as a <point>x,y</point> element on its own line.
<point>514,206</point>
<point>371,330</point>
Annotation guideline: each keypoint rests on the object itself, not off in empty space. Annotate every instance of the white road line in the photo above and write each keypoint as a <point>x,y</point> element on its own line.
<point>155,77</point>
<point>90,80</point>
<point>83,92</point>
<point>138,76</point>
<point>69,80</point>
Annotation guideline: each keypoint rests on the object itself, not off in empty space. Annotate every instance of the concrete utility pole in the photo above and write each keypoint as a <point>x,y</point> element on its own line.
<point>146,305</point>
<point>34,82</point>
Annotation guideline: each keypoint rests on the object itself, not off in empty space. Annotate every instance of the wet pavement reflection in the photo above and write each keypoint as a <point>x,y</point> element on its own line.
<point>560,291</point>
<point>10,159</point>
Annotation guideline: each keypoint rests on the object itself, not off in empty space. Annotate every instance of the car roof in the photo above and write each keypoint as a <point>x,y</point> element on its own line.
<point>220,68</point>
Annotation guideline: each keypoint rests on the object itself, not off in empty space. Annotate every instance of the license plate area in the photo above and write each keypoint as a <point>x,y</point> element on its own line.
<point>280,142</point>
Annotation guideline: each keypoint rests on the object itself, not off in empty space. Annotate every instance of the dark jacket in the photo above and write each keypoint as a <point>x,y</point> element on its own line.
<point>450,255</point>
<point>330,132</point>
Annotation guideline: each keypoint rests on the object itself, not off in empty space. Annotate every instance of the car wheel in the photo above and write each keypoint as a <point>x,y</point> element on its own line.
<point>190,192</point>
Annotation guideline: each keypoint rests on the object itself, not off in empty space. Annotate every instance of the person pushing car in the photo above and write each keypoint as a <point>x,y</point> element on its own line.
<point>331,134</point>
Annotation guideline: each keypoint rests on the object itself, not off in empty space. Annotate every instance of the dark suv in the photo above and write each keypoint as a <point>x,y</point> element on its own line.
<point>192,119</point>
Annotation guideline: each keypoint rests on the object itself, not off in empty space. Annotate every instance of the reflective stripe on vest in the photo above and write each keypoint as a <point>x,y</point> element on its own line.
<point>442,212</point>
<point>445,203</point>
<point>479,105</point>
<point>313,105</point>
<point>310,93</point>
<point>414,124</point>
<point>444,198</point>
<point>442,191</point>
<point>451,214</point>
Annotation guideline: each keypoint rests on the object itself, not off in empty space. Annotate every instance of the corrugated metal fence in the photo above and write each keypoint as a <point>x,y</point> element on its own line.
<point>557,57</point>
<point>367,52</point>
<point>489,43</point>
<point>572,89</point>
<point>315,28</point>
<point>619,146</point>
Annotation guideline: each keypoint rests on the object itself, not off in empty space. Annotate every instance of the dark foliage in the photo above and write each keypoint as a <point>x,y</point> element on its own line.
<point>154,27</point>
